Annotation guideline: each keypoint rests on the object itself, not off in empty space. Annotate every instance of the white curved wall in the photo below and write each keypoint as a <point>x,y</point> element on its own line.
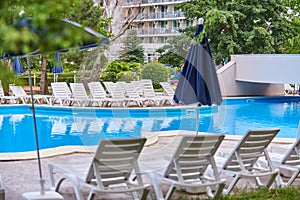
<point>268,68</point>
<point>258,75</point>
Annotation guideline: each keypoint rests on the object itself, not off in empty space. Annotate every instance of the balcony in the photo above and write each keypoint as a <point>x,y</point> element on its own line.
<point>157,32</point>
<point>145,3</point>
<point>160,16</point>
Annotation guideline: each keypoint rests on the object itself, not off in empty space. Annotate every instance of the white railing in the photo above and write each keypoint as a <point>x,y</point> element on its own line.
<point>157,31</point>
<point>160,15</point>
<point>136,3</point>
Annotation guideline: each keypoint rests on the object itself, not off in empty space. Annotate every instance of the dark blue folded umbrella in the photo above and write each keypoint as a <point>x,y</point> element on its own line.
<point>57,65</point>
<point>198,82</point>
<point>17,66</point>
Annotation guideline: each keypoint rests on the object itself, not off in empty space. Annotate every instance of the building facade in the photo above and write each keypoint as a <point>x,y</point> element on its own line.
<point>157,21</point>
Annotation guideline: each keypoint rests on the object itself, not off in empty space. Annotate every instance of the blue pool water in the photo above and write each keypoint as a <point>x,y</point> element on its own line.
<point>86,126</point>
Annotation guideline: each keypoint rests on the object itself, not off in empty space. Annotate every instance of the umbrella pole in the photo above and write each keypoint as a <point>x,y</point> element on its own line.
<point>197,120</point>
<point>42,181</point>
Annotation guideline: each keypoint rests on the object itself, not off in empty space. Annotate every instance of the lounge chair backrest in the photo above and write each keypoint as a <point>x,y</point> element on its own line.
<point>115,160</point>
<point>130,90</point>
<point>292,157</point>
<point>116,91</point>
<point>78,91</point>
<point>192,157</point>
<point>96,90</point>
<point>61,89</point>
<point>18,91</point>
<point>138,87</point>
<point>252,146</point>
<point>148,88</point>
<point>167,89</point>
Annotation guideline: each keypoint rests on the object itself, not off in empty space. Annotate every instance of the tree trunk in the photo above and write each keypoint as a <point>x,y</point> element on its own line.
<point>44,80</point>
<point>94,75</point>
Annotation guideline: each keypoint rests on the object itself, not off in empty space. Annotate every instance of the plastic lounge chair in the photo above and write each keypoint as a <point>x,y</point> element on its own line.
<point>117,95</point>
<point>291,162</point>
<point>243,160</point>
<point>188,167</point>
<point>62,93</point>
<point>132,93</point>
<point>150,95</point>
<point>111,170</point>
<point>20,93</point>
<point>98,92</point>
<point>80,95</point>
<point>168,92</point>
<point>6,99</point>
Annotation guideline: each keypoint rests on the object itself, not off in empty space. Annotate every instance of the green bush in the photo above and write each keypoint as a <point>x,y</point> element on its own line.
<point>7,76</point>
<point>156,72</point>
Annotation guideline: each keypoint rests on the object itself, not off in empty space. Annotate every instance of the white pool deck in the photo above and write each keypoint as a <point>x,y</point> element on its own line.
<point>22,176</point>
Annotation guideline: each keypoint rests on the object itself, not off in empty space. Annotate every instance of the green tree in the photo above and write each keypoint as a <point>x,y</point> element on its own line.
<point>174,52</point>
<point>242,26</point>
<point>132,51</point>
<point>156,72</point>
<point>21,40</point>
<point>122,71</point>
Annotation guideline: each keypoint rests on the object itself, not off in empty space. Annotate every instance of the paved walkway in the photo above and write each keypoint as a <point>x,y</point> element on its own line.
<point>22,176</point>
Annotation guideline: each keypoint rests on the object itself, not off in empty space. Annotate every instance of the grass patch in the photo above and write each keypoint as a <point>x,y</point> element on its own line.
<point>289,193</point>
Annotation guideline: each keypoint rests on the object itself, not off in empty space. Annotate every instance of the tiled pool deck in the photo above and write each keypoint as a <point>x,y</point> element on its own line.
<point>22,176</point>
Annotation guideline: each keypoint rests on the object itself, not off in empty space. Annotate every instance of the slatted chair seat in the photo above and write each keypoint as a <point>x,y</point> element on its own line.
<point>111,171</point>
<point>243,160</point>
<point>188,167</point>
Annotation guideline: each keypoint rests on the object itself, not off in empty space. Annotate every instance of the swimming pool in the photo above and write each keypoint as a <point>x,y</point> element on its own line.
<point>86,126</point>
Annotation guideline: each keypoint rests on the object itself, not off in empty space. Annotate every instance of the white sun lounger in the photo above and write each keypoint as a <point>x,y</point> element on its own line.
<point>61,93</point>
<point>187,167</point>
<point>98,92</point>
<point>111,170</point>
<point>81,97</point>
<point>243,160</point>
<point>290,162</point>
<point>6,99</point>
<point>20,93</point>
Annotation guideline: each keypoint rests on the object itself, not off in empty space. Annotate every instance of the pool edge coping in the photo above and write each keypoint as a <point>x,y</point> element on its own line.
<point>152,138</point>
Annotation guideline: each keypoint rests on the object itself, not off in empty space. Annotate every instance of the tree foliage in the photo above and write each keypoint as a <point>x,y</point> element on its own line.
<point>242,26</point>
<point>132,50</point>
<point>175,51</point>
<point>122,71</point>
<point>156,72</point>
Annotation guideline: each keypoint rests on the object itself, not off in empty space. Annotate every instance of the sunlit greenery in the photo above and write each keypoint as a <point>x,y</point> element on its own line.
<point>246,26</point>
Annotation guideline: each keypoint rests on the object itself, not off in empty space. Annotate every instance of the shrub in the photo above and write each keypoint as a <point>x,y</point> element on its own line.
<point>156,72</point>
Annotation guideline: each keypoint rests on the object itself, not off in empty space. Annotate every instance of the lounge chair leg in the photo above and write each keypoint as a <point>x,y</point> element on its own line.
<point>218,192</point>
<point>232,184</point>
<point>294,176</point>
<point>91,195</point>
<point>145,194</point>
<point>258,181</point>
<point>209,192</point>
<point>170,192</point>
<point>272,179</point>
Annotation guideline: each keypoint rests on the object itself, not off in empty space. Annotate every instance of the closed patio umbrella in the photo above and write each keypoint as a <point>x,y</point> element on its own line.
<point>45,35</point>
<point>17,66</point>
<point>198,83</point>
<point>57,66</point>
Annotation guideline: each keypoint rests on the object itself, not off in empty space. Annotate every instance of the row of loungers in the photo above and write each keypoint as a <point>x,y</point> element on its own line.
<point>120,94</point>
<point>192,167</point>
